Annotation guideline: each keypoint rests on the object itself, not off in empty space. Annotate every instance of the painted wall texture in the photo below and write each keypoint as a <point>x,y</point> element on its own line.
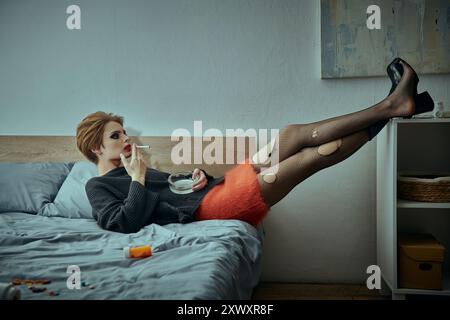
<point>231,64</point>
<point>416,30</point>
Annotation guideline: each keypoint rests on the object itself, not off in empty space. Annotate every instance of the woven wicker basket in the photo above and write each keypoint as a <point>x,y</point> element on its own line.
<point>424,187</point>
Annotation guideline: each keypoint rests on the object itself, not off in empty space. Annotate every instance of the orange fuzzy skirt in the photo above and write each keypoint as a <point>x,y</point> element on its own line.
<point>238,197</point>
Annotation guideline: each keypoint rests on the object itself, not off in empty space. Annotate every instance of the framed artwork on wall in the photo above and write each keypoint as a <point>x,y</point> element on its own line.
<point>359,38</point>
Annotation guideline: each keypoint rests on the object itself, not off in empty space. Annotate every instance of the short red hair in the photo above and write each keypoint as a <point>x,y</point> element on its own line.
<point>90,132</point>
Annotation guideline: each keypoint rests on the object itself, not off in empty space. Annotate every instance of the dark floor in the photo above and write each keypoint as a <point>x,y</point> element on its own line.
<point>303,291</point>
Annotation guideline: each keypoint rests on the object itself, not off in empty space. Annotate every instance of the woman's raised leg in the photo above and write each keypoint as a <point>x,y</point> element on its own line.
<point>303,164</point>
<point>294,137</point>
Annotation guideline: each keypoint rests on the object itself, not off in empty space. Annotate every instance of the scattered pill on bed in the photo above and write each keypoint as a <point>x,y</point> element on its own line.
<point>41,281</point>
<point>37,290</point>
<point>53,293</point>
<point>91,287</point>
<point>84,283</point>
<point>30,282</point>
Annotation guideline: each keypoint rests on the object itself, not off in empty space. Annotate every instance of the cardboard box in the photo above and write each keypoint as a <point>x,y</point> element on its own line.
<point>420,258</point>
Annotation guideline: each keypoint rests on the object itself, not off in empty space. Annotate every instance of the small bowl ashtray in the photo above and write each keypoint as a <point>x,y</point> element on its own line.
<point>181,182</point>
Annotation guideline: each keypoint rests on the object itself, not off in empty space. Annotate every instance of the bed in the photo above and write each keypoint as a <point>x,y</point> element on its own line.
<point>46,230</point>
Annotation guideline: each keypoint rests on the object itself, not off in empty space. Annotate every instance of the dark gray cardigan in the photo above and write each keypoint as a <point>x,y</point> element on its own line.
<point>119,204</point>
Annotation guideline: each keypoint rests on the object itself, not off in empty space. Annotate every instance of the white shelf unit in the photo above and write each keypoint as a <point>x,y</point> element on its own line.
<point>410,145</point>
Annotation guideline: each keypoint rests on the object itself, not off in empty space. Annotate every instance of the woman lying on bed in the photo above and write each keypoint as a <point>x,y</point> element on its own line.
<point>127,195</point>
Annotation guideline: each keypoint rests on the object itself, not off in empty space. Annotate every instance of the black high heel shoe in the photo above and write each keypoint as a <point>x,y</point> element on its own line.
<point>423,102</point>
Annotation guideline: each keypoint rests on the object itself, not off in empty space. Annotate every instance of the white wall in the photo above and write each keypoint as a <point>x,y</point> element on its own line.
<point>232,64</point>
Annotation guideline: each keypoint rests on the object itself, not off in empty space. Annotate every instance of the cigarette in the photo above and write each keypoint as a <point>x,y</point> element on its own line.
<point>143,147</point>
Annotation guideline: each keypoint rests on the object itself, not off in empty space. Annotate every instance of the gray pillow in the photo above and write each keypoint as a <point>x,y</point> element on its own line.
<point>27,187</point>
<point>71,200</point>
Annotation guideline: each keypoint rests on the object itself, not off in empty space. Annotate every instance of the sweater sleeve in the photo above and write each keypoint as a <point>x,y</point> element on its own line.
<point>126,216</point>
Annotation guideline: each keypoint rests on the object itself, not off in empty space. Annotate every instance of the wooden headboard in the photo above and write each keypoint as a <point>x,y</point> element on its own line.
<point>63,149</point>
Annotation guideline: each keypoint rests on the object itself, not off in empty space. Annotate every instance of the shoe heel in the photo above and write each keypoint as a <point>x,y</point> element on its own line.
<point>423,102</point>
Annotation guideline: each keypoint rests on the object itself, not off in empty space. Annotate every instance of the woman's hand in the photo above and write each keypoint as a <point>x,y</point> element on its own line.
<point>136,167</point>
<point>201,182</point>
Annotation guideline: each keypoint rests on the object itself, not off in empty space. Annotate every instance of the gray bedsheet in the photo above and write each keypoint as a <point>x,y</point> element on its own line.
<point>215,259</point>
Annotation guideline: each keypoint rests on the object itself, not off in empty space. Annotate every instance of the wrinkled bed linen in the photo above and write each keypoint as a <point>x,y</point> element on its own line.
<point>213,259</point>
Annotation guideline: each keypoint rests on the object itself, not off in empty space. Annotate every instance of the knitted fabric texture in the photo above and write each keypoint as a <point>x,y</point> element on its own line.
<point>121,205</point>
<point>239,197</point>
